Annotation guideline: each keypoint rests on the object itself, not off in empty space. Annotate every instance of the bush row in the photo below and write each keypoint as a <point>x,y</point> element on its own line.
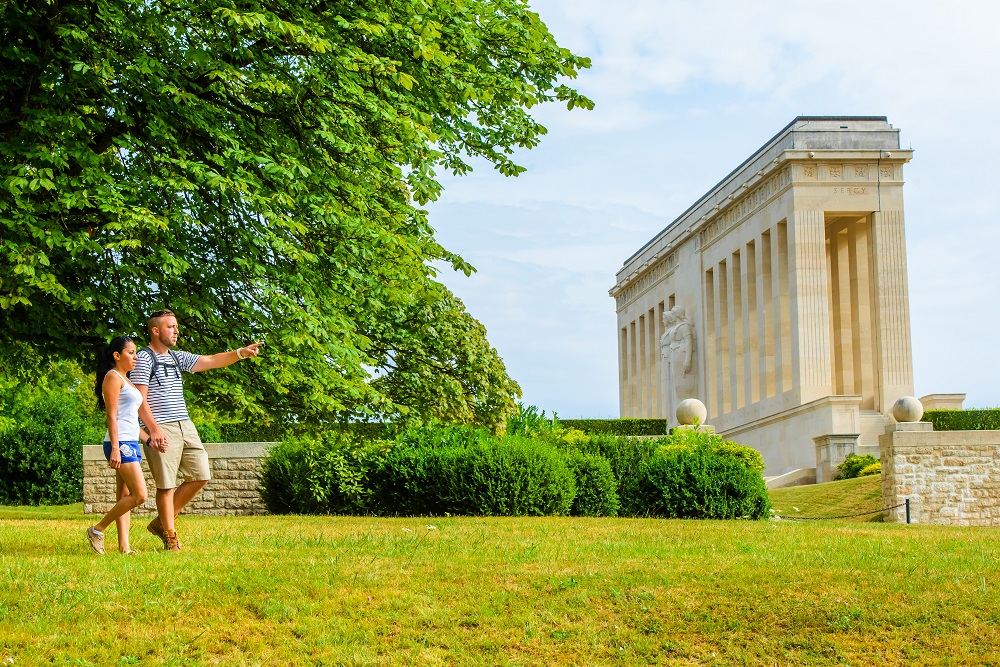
<point>455,470</point>
<point>250,432</point>
<point>964,420</point>
<point>42,433</point>
<point>626,426</point>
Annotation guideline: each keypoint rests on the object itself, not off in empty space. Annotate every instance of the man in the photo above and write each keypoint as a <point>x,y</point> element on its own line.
<point>173,446</point>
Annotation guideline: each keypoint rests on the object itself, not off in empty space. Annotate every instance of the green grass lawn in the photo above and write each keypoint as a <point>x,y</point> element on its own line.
<point>849,496</point>
<point>501,591</point>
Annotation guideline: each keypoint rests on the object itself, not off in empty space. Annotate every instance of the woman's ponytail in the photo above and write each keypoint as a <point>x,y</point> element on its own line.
<point>105,362</point>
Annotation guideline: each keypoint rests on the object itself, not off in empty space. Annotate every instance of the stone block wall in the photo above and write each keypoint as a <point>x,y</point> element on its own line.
<point>232,491</point>
<point>950,477</point>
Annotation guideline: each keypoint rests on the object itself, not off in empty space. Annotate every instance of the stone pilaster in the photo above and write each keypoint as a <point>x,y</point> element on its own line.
<point>892,309</point>
<point>810,306</point>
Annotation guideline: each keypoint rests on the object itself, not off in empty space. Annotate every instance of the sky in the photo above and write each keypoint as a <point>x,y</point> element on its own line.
<point>684,92</point>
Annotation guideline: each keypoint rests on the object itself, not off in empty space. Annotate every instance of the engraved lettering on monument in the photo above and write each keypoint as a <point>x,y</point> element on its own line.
<point>677,346</point>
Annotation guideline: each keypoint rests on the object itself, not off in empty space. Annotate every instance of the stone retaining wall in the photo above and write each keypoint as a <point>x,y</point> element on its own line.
<point>950,477</point>
<point>232,491</point>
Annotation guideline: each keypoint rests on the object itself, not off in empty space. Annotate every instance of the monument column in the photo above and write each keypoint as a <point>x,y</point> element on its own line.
<point>892,309</point>
<point>810,299</point>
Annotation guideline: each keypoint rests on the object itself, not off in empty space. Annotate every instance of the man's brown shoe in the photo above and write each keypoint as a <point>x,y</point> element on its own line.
<point>156,528</point>
<point>170,541</point>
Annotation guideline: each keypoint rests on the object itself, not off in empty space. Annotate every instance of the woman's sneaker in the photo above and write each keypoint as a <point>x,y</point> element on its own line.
<point>96,540</point>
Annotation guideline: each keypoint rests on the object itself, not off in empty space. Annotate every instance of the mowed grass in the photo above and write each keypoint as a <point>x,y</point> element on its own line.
<point>499,591</point>
<point>844,497</point>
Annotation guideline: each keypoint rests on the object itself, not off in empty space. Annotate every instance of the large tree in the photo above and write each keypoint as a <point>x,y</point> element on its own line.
<point>259,168</point>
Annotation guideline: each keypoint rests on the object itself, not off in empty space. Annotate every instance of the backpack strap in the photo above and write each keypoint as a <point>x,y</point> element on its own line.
<point>177,363</point>
<point>155,363</point>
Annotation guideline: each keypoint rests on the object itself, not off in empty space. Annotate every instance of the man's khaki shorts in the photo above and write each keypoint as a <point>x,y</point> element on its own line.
<point>185,455</point>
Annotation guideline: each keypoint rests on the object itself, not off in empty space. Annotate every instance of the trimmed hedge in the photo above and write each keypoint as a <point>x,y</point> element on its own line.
<point>466,471</point>
<point>964,420</point>
<point>626,426</point>
<point>699,483</point>
<point>250,432</point>
<point>333,475</point>
<point>596,486</point>
<point>460,473</point>
<point>41,453</point>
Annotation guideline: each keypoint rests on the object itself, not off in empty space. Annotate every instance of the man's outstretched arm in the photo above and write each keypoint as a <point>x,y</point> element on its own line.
<point>222,359</point>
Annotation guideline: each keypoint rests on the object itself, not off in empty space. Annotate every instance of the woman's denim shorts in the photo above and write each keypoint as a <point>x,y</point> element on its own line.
<point>129,449</point>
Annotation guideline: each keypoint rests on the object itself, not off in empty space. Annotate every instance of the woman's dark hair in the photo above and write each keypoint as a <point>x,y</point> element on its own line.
<point>105,362</point>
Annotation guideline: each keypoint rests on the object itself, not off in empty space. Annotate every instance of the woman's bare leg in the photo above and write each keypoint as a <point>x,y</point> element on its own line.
<point>123,522</point>
<point>131,474</point>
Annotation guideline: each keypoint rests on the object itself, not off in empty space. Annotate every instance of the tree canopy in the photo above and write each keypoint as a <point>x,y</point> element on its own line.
<point>259,168</point>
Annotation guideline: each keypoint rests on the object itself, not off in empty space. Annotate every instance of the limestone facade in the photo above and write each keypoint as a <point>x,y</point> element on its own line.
<point>950,477</point>
<point>233,489</point>
<point>792,272</point>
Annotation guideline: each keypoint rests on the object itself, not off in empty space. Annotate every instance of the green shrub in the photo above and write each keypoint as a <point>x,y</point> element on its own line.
<point>626,426</point>
<point>596,487</point>
<point>276,432</point>
<point>438,436</point>
<point>851,466</point>
<point>509,477</point>
<point>748,456</point>
<point>528,421</point>
<point>964,420</point>
<point>330,475</point>
<point>41,451</point>
<point>413,478</point>
<point>283,479</point>
<point>699,483</point>
<point>873,469</point>
<point>624,455</point>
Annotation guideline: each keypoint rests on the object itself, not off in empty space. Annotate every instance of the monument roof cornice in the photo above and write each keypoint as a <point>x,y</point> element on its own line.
<point>807,139</point>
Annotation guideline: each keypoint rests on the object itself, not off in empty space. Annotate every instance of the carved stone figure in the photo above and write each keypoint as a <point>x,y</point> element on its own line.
<point>677,346</point>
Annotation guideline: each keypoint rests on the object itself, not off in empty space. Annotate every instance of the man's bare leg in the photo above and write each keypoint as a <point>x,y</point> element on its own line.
<point>165,508</point>
<point>184,494</point>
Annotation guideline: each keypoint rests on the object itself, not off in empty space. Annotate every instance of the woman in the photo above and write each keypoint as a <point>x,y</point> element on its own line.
<point>118,396</point>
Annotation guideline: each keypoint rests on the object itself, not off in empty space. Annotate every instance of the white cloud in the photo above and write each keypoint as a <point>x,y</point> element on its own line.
<point>685,91</point>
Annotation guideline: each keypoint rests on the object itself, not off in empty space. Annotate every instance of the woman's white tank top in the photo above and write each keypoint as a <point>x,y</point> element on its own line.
<point>129,401</point>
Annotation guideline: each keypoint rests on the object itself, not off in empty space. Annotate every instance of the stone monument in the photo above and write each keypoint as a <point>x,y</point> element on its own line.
<point>677,347</point>
<point>795,326</point>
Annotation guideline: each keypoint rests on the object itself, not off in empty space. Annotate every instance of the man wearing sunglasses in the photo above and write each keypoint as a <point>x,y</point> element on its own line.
<point>174,446</point>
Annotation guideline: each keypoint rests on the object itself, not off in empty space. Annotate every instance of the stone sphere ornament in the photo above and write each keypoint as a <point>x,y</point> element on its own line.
<point>907,409</point>
<point>691,410</point>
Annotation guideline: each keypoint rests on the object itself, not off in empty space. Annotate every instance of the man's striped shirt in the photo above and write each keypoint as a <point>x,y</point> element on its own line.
<point>166,391</point>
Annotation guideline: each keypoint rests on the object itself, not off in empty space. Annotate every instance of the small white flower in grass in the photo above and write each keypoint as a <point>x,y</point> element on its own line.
<point>432,527</point>
<point>407,530</point>
<point>796,508</point>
